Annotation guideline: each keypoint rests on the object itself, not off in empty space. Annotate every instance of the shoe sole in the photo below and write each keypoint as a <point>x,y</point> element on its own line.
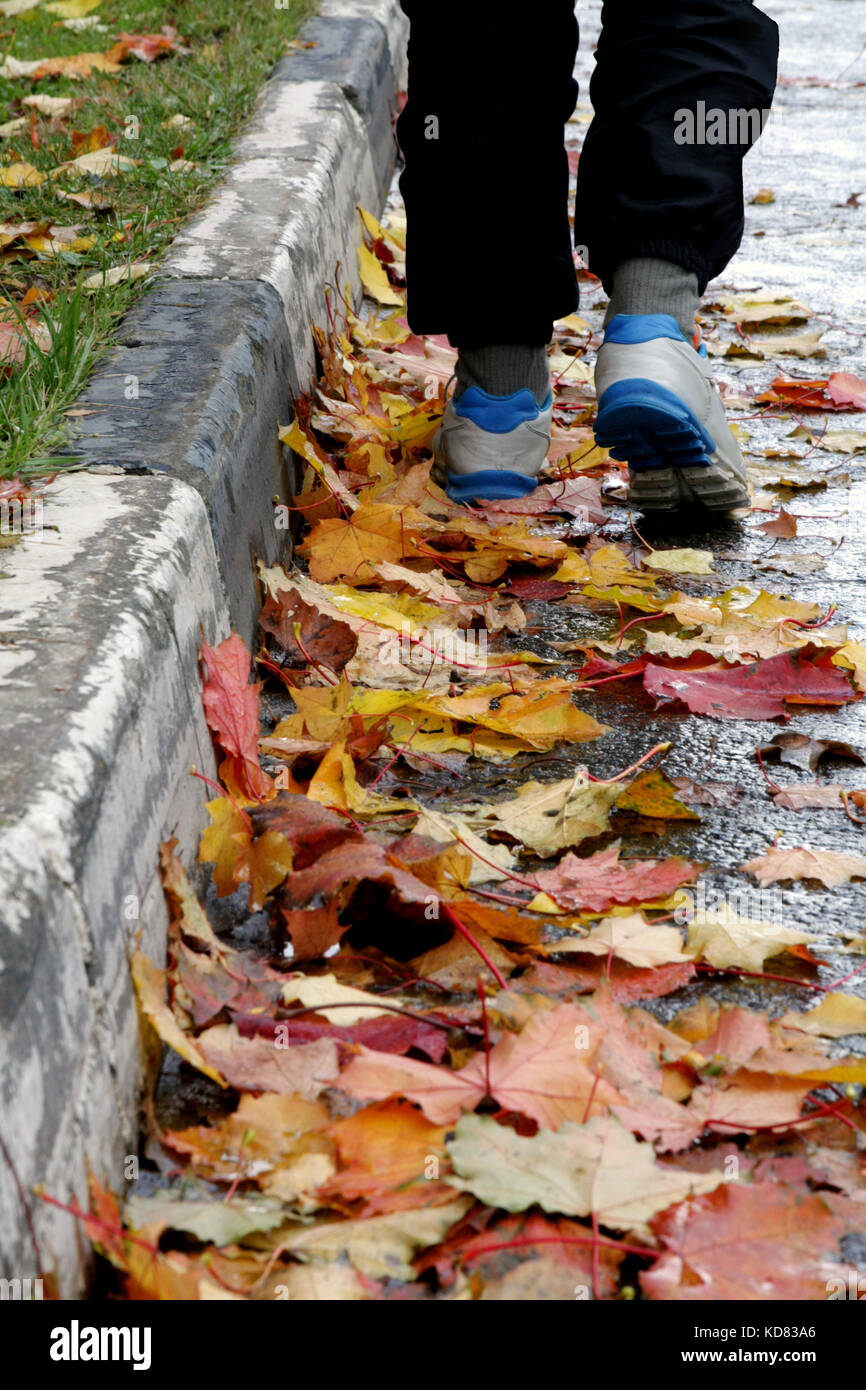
<point>488,485</point>
<point>672,458</point>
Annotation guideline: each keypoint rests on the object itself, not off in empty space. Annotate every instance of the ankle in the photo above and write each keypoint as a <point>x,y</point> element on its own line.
<point>501,369</point>
<point>649,285</point>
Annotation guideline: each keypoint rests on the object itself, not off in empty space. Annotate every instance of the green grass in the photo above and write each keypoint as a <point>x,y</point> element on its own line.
<point>235,43</point>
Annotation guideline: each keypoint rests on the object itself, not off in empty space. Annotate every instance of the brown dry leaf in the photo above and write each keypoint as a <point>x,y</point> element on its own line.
<point>260,1064</point>
<point>784,526</point>
<point>804,796</point>
<point>800,750</point>
<point>456,964</point>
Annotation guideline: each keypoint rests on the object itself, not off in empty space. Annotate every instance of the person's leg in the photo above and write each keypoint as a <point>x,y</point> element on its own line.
<point>653,181</point>
<point>680,91</point>
<point>489,255</point>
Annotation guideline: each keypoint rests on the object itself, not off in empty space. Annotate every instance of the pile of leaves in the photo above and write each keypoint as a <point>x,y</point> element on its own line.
<point>422,1039</point>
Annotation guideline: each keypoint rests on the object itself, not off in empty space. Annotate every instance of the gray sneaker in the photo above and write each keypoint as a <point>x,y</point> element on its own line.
<point>660,412</point>
<point>489,447</point>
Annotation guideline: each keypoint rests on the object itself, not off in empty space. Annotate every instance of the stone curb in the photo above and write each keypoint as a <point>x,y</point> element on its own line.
<point>102,617</point>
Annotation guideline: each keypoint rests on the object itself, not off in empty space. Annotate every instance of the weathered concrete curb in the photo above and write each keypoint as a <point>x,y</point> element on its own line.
<point>209,361</point>
<point>101,620</point>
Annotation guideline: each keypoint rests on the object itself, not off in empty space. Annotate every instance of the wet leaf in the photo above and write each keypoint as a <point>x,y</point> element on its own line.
<point>596,883</point>
<point>762,1241</point>
<point>800,750</point>
<point>724,939</point>
<point>231,707</point>
<point>826,866</point>
<point>757,691</point>
<point>555,816</point>
<point>653,794</point>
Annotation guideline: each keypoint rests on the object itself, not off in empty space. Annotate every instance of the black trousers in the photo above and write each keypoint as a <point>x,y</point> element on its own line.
<point>485,183</point>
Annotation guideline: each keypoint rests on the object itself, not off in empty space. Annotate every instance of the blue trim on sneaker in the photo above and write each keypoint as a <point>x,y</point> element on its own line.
<point>642,328</point>
<point>646,426</point>
<point>488,484</point>
<point>499,414</point>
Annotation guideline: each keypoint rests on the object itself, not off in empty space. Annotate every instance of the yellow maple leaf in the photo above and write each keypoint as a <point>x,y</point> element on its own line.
<point>375,280</point>
<point>349,547</point>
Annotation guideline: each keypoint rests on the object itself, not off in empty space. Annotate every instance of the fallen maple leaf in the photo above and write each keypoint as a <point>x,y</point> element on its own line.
<point>784,526</point>
<point>231,707</point>
<point>147,47</point>
<point>385,1152</point>
<point>553,816</point>
<point>595,1168</point>
<point>349,547</point>
<point>256,1064</point>
<point>749,1100</point>
<point>495,1248</point>
<point>807,395</point>
<point>262,861</point>
<point>653,794</point>
<point>800,750</point>
<point>541,716</point>
<point>312,930</point>
<point>596,883</point>
<point>305,633</point>
<point>539,1072</point>
<point>318,991</point>
<point>150,985</point>
<point>580,497</point>
<point>264,1133</point>
<point>486,863</point>
<point>845,389</point>
<point>804,796</point>
<point>346,866</point>
<point>389,1032</point>
<point>760,1241</point>
<point>455,965</point>
<point>381,1247</point>
<point>632,939</point>
<point>837,1016</point>
<point>681,561</point>
<point>757,691</point>
<point>375,279</point>
<point>827,866</point>
<point>216,1221</point>
<point>724,940</point>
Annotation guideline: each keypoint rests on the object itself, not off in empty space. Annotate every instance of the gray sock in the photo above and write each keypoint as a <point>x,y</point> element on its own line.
<point>646,285</point>
<point>501,369</point>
